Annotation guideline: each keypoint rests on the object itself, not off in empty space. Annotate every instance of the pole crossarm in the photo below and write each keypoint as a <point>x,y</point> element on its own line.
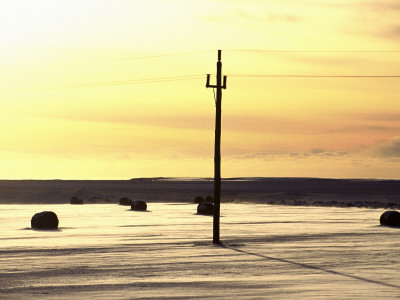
<point>208,85</point>
<point>217,147</point>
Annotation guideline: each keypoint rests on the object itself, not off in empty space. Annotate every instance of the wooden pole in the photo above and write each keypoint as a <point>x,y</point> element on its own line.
<point>217,149</point>
<point>217,154</point>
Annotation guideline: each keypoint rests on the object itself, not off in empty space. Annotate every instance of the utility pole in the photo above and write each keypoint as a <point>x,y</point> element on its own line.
<point>217,147</point>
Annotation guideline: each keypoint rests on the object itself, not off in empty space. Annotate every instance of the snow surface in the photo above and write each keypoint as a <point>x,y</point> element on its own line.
<point>107,251</point>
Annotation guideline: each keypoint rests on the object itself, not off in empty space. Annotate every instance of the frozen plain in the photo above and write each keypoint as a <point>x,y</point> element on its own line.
<point>107,251</point>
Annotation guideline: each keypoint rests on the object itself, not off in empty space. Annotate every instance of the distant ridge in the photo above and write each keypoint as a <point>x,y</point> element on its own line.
<point>384,193</point>
<point>260,179</point>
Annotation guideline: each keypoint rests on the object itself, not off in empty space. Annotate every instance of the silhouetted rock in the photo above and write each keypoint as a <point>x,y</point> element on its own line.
<point>76,200</point>
<point>44,220</point>
<point>375,204</point>
<point>198,199</point>
<point>125,201</point>
<point>299,203</point>
<point>390,218</point>
<point>90,196</point>
<point>138,205</point>
<point>205,208</point>
<point>209,199</point>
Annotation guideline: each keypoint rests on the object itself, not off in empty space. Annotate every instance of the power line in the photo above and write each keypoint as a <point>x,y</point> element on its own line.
<point>185,77</point>
<point>109,83</point>
<point>313,51</point>
<point>106,60</point>
<point>194,52</point>
<point>312,76</point>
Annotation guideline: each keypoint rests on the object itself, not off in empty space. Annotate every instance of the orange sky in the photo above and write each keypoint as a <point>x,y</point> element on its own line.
<point>82,97</point>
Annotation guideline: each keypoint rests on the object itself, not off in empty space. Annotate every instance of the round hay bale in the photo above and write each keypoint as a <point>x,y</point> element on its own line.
<point>139,205</point>
<point>44,220</point>
<point>205,208</point>
<point>198,199</point>
<point>76,200</point>
<point>125,201</point>
<point>390,218</point>
<point>209,199</point>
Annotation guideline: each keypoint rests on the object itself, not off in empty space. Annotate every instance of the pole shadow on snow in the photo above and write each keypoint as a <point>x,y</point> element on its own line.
<point>232,247</point>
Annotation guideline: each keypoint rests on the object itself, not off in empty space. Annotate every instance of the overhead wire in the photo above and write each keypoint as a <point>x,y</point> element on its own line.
<point>109,83</point>
<point>311,76</point>
<point>185,77</point>
<point>312,51</point>
<point>197,76</point>
<point>194,52</point>
<point>106,60</point>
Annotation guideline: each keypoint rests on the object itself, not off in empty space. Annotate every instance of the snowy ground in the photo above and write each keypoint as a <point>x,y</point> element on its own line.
<point>107,251</point>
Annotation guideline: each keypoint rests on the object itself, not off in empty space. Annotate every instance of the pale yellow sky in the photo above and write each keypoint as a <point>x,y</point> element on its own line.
<point>75,105</point>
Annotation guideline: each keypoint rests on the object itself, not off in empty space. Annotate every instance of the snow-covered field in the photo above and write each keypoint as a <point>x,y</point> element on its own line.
<point>107,251</point>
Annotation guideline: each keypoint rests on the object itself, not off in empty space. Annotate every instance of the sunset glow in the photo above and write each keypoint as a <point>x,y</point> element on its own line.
<point>116,89</point>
